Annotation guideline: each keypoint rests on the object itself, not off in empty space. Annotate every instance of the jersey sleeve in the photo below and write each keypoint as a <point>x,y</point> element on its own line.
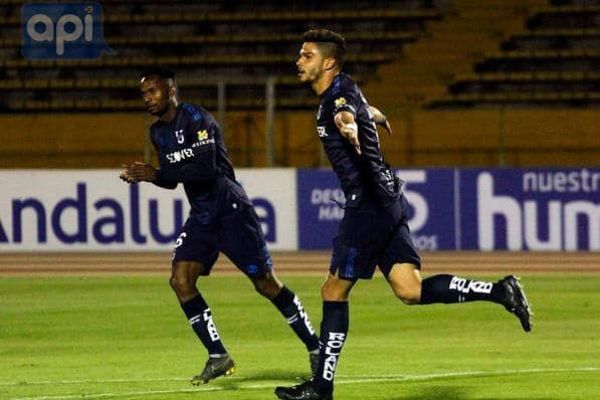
<point>345,101</point>
<point>158,182</point>
<point>203,165</point>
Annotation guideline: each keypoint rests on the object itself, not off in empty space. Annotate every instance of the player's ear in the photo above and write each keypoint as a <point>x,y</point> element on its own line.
<point>172,90</point>
<point>330,63</point>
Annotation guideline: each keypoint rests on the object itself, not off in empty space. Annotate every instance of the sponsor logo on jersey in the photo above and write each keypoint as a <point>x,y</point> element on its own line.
<point>340,102</point>
<point>180,155</point>
<point>202,135</point>
<point>203,139</point>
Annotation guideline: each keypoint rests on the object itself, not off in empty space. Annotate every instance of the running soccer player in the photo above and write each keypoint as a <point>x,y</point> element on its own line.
<point>374,230</point>
<point>191,151</point>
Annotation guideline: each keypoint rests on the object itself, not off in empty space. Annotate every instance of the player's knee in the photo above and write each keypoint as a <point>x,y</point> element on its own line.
<point>408,295</point>
<point>333,293</point>
<point>268,288</point>
<point>180,283</point>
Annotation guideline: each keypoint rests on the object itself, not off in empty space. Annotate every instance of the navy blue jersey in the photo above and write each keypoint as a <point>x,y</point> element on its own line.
<point>361,176</point>
<point>191,151</point>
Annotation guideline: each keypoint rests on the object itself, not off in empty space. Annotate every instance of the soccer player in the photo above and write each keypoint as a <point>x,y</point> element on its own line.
<point>374,230</point>
<point>191,151</point>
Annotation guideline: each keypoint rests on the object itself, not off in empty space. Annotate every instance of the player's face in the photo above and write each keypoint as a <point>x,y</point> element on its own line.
<point>155,94</point>
<point>311,63</point>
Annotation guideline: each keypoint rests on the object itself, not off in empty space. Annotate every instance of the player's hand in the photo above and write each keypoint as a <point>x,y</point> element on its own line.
<point>138,172</point>
<point>142,172</point>
<point>386,125</point>
<point>380,119</point>
<point>126,175</point>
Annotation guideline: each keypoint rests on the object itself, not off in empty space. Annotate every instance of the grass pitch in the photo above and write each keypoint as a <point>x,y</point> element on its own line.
<point>126,338</point>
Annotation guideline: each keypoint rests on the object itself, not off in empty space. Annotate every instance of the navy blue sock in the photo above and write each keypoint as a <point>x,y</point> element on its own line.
<point>452,289</point>
<point>198,313</point>
<point>290,306</point>
<point>334,331</point>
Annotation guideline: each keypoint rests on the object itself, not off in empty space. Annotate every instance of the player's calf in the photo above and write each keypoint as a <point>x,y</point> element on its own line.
<point>290,306</point>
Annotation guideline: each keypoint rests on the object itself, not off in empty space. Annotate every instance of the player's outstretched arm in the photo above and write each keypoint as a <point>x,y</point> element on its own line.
<point>380,119</point>
<point>347,126</point>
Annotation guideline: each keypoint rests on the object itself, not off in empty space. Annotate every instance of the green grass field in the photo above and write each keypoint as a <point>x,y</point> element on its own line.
<point>126,338</point>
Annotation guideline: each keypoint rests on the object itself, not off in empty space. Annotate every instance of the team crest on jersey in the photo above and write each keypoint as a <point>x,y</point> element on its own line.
<point>340,102</point>
<point>202,135</point>
<point>180,136</point>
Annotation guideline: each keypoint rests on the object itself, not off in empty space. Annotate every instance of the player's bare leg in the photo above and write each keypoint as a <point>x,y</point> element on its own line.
<point>290,306</point>
<point>405,280</point>
<point>334,330</point>
<point>184,276</point>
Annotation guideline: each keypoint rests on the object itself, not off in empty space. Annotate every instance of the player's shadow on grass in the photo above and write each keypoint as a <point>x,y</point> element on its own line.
<point>456,393</point>
<point>436,393</point>
<point>293,377</point>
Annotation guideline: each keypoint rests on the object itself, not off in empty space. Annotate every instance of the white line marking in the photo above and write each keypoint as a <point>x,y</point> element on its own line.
<point>91,381</point>
<point>341,380</point>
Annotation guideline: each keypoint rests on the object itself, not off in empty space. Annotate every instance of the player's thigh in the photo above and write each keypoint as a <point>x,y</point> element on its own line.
<point>399,248</point>
<point>242,241</point>
<point>359,242</point>
<point>195,249</point>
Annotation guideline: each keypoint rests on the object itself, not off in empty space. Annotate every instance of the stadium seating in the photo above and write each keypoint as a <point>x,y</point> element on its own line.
<point>554,62</point>
<point>239,44</point>
<point>510,69</point>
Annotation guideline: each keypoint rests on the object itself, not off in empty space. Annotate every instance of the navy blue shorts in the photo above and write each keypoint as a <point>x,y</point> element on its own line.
<point>235,231</point>
<point>371,236</point>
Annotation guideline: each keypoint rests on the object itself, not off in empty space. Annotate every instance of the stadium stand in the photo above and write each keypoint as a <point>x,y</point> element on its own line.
<point>553,63</point>
<point>452,77</point>
<point>60,109</point>
<point>238,43</point>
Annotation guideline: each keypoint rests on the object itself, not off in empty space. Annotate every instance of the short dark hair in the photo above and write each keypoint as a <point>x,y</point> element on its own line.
<point>333,44</point>
<point>162,72</point>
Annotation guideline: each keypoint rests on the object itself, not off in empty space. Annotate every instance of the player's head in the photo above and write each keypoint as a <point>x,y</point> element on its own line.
<point>159,90</point>
<point>322,52</point>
